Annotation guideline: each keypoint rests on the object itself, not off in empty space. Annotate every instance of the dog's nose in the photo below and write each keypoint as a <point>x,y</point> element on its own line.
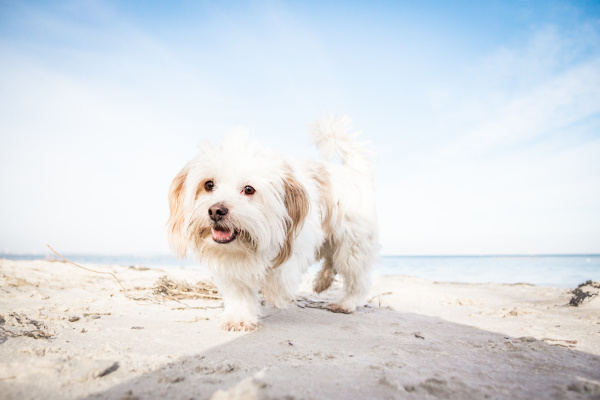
<point>217,211</point>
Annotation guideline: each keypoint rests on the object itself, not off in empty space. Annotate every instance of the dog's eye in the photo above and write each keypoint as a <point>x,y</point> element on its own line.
<point>249,190</point>
<point>209,185</point>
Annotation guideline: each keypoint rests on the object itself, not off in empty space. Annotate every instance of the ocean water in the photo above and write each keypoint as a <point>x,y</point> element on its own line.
<point>565,271</point>
<point>555,271</point>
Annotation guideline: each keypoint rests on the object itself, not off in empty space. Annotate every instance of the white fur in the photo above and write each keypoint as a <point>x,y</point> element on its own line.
<point>339,227</point>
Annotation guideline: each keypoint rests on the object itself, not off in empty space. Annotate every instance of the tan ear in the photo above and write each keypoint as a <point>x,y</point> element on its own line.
<point>297,205</point>
<point>175,225</point>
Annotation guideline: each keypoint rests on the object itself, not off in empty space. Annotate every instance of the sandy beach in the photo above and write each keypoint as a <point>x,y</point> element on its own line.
<point>67,333</point>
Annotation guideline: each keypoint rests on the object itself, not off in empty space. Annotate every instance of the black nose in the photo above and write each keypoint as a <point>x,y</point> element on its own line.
<point>217,211</point>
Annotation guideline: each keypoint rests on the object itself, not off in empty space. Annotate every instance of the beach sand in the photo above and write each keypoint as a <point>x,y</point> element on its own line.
<point>67,333</point>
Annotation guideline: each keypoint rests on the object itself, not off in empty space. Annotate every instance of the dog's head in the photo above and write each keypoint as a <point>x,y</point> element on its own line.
<point>235,201</point>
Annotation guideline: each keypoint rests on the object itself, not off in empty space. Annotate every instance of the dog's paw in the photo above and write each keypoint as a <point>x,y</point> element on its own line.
<point>340,308</point>
<point>234,326</point>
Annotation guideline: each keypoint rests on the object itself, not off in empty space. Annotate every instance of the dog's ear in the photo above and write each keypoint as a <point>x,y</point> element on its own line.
<point>175,225</point>
<point>297,205</point>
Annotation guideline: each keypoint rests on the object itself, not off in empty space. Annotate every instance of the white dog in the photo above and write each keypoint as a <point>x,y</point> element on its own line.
<point>259,219</point>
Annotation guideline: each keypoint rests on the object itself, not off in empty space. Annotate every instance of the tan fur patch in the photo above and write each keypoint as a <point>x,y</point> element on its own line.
<point>177,215</point>
<point>297,204</point>
<point>200,189</point>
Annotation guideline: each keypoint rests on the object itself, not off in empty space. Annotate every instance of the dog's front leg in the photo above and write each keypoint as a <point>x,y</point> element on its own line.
<point>241,306</point>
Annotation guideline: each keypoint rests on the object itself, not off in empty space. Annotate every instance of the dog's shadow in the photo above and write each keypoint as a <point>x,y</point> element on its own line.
<point>305,351</point>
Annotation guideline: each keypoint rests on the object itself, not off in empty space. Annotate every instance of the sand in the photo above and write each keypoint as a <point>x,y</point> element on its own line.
<point>66,333</point>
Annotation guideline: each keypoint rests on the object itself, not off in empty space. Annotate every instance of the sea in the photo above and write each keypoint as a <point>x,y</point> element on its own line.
<point>564,271</point>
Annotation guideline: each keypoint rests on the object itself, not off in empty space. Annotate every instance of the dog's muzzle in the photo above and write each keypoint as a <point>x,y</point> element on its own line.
<point>220,233</point>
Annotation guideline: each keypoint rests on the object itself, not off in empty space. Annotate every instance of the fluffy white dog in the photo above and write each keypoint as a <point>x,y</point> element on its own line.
<point>259,219</point>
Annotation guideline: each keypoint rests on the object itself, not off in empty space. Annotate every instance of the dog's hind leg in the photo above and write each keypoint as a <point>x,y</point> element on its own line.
<point>353,259</point>
<point>326,275</point>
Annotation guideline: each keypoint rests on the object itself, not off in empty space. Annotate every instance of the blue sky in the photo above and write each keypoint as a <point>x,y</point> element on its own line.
<point>485,116</point>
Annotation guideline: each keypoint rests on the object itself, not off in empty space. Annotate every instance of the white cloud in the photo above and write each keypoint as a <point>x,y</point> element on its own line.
<point>554,104</point>
<point>523,176</point>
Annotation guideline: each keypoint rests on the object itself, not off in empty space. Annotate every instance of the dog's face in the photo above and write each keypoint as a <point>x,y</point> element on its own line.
<point>235,201</point>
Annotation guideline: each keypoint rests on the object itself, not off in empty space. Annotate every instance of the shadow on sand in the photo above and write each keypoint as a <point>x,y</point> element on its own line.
<point>374,353</point>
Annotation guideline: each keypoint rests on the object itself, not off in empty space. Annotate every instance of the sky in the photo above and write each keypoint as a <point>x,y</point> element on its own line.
<point>484,116</point>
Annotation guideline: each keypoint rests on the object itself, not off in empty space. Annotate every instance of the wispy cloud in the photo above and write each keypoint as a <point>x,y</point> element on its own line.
<point>557,103</point>
<point>524,165</point>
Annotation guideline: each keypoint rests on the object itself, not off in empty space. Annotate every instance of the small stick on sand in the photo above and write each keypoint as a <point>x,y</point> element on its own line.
<point>12,334</point>
<point>378,298</point>
<point>36,333</point>
<point>87,269</point>
<point>560,340</point>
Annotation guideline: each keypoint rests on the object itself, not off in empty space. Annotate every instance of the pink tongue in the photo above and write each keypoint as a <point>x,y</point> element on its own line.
<point>218,234</point>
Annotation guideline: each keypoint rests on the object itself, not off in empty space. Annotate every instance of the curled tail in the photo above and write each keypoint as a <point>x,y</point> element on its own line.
<point>331,137</point>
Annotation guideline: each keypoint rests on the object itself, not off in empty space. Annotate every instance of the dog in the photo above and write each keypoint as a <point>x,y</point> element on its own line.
<point>259,219</point>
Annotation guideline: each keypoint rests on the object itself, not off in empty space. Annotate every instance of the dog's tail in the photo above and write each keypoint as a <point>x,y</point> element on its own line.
<point>331,137</point>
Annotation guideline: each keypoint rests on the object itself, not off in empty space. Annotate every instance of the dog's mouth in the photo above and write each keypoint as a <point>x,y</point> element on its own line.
<point>223,235</point>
